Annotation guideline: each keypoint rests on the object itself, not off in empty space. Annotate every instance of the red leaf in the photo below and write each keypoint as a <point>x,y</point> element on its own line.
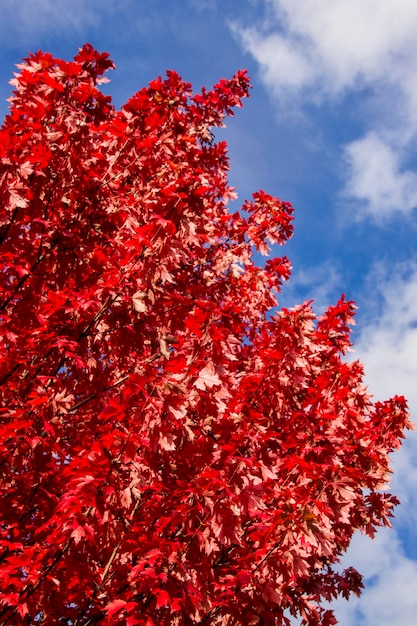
<point>78,533</point>
<point>162,599</point>
<point>113,608</point>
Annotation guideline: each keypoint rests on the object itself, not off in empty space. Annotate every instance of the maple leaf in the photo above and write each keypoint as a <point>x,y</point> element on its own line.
<point>78,533</point>
<point>139,303</point>
<point>113,608</point>
<point>162,599</point>
<point>207,378</point>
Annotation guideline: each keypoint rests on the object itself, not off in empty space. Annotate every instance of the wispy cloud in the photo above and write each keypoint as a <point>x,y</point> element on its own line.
<point>319,51</point>
<point>31,20</point>
<point>334,45</point>
<point>25,17</point>
<point>320,283</point>
<point>375,177</point>
<point>387,342</point>
<point>284,66</point>
<point>389,598</point>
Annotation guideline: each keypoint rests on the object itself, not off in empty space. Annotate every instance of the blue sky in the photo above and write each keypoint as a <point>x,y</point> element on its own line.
<point>331,126</point>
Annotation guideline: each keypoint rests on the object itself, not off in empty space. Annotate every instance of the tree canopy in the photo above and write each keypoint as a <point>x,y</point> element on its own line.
<point>175,448</point>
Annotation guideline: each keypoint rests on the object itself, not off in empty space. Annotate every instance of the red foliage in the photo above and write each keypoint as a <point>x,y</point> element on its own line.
<point>174,449</point>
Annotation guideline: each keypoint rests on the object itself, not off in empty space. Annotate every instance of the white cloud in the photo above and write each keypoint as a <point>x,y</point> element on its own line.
<point>375,179</point>
<point>340,42</point>
<point>322,50</point>
<point>387,343</point>
<point>389,598</point>
<point>282,65</point>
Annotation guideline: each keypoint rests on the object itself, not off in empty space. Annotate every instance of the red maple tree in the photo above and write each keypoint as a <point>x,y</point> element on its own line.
<point>174,449</point>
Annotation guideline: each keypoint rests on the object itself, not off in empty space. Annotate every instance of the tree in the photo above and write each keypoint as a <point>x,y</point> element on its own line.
<point>175,449</point>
